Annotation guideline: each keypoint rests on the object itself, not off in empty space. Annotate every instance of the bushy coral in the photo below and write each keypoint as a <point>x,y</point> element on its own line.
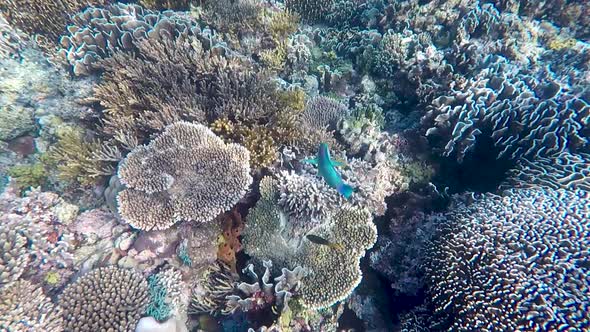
<point>15,121</point>
<point>233,16</point>
<point>211,289</point>
<point>14,257</point>
<point>27,176</point>
<point>563,170</point>
<point>186,173</point>
<point>166,4</point>
<point>105,298</point>
<point>311,11</point>
<point>513,262</point>
<point>97,33</point>
<point>24,307</point>
<point>11,42</point>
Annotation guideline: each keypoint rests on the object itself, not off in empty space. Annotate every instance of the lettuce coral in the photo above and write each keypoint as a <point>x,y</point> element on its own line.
<point>513,262</point>
<point>186,173</point>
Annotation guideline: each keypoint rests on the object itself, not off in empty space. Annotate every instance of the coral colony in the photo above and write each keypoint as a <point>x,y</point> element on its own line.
<point>294,165</point>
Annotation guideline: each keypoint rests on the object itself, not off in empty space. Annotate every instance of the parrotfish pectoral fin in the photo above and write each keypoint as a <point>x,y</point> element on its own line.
<point>338,163</point>
<point>345,190</point>
<point>311,161</point>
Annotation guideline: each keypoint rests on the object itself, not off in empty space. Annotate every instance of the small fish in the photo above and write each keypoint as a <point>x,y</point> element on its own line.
<point>320,240</point>
<point>327,170</point>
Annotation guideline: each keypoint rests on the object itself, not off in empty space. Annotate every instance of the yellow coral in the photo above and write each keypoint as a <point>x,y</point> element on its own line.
<point>275,58</point>
<point>559,43</point>
<point>282,24</point>
<point>260,143</point>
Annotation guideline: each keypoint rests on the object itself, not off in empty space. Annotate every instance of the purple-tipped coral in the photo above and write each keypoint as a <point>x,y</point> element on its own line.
<point>514,262</point>
<point>186,173</point>
<point>105,299</point>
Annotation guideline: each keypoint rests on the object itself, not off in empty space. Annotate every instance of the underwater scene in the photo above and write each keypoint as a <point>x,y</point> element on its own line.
<point>294,166</point>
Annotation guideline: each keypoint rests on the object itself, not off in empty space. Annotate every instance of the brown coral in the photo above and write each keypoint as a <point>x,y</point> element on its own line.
<point>24,307</point>
<point>105,299</point>
<point>232,226</point>
<point>211,289</point>
<point>186,173</point>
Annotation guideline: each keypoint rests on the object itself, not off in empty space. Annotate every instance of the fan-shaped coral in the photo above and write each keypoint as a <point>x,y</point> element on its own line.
<point>24,307</point>
<point>97,33</point>
<point>517,262</point>
<point>186,173</point>
<point>522,114</point>
<point>104,299</point>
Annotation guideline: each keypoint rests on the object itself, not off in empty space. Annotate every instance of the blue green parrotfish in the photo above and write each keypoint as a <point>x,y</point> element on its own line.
<point>327,170</point>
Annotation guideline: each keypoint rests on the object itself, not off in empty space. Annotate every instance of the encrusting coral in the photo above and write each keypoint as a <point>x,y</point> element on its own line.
<point>24,307</point>
<point>108,298</point>
<point>514,262</point>
<point>186,173</point>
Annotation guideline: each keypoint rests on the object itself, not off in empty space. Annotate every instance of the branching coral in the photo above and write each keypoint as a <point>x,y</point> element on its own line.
<point>183,5</point>
<point>233,16</point>
<point>11,42</point>
<point>517,262</point>
<point>166,296</point>
<point>105,298</point>
<point>211,289</point>
<point>564,170</point>
<point>24,307</point>
<point>45,18</point>
<point>97,33</point>
<point>269,235</point>
<point>265,291</point>
<point>310,11</point>
<point>186,173</point>
<point>14,257</point>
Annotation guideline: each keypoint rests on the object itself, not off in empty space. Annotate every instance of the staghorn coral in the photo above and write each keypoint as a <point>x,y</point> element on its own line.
<point>211,289</point>
<point>105,298</point>
<point>311,11</point>
<point>333,274</point>
<point>47,19</point>
<point>80,160</point>
<point>513,262</point>
<point>504,104</point>
<point>265,291</point>
<point>24,307</point>
<point>98,33</point>
<point>233,16</point>
<point>186,173</point>
<point>564,170</point>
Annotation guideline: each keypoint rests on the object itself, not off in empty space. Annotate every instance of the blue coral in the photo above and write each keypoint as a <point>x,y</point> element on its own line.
<point>157,307</point>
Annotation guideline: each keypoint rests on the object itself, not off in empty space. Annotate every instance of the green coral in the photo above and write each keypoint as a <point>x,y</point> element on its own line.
<point>27,176</point>
<point>157,307</point>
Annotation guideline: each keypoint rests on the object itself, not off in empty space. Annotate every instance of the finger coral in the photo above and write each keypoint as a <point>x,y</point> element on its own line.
<point>186,173</point>
<point>14,256</point>
<point>108,298</point>
<point>24,307</point>
<point>514,262</point>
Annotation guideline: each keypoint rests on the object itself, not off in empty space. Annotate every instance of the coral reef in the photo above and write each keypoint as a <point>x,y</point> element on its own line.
<point>211,289</point>
<point>310,10</point>
<point>271,235</point>
<point>11,41</point>
<point>229,242</point>
<point>563,170</point>
<point>15,122</point>
<point>517,261</point>
<point>46,19</point>
<point>186,173</point>
<point>167,298</point>
<point>97,33</point>
<point>105,298</point>
<point>24,307</point>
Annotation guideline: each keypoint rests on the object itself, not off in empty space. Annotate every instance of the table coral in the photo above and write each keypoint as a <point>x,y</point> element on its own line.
<point>186,173</point>
<point>513,262</point>
<point>105,298</point>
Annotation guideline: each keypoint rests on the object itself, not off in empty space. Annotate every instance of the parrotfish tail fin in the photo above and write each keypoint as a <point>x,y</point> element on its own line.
<point>310,161</point>
<point>345,190</point>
